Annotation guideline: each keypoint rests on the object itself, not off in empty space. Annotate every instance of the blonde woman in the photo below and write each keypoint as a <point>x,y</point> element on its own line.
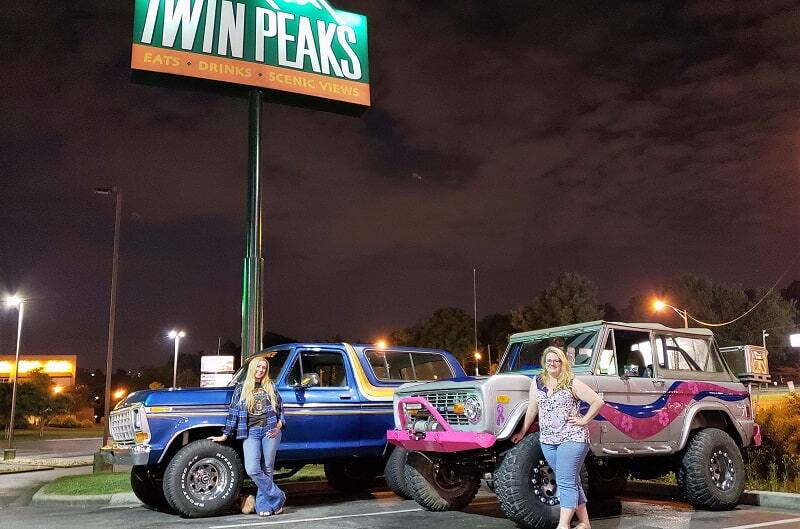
<point>564,438</point>
<point>256,413</point>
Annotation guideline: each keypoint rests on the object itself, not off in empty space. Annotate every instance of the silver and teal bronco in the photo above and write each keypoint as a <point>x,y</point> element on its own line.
<point>671,404</point>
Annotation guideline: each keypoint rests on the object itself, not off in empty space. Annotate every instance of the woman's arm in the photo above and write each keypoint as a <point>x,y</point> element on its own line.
<point>232,419</point>
<point>530,414</point>
<point>589,396</point>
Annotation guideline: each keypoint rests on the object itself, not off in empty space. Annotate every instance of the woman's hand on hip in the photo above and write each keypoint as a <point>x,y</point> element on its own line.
<point>218,438</point>
<point>576,420</point>
<point>272,434</point>
<point>517,437</point>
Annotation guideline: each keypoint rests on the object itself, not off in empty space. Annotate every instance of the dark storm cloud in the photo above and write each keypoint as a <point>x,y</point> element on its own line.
<point>627,140</point>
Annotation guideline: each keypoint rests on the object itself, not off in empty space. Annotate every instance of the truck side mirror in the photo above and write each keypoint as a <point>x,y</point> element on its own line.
<point>309,380</point>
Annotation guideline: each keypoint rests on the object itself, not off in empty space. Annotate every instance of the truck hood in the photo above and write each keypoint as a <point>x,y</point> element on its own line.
<point>503,381</point>
<point>180,397</point>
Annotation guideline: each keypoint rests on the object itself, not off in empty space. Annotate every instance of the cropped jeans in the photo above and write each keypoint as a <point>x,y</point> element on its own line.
<point>566,460</point>
<point>259,463</point>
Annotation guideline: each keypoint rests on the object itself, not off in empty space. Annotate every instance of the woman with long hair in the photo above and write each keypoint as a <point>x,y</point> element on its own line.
<point>256,414</point>
<point>563,436</point>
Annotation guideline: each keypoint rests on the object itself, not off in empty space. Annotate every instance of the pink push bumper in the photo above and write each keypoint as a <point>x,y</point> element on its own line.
<point>446,440</point>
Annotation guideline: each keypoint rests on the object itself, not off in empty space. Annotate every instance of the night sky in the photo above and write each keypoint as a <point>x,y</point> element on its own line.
<point>629,141</point>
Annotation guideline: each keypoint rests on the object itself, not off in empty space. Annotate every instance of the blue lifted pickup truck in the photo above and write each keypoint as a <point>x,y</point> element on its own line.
<point>338,407</point>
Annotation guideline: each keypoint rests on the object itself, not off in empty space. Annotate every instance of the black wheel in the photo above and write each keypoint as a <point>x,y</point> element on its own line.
<point>395,472</point>
<point>711,473</point>
<point>147,486</point>
<point>607,477</point>
<point>438,486</point>
<point>352,475</point>
<point>526,486</point>
<point>203,479</point>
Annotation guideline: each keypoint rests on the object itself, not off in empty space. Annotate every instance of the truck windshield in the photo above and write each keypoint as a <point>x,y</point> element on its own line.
<point>404,366</point>
<point>526,356</point>
<point>276,360</point>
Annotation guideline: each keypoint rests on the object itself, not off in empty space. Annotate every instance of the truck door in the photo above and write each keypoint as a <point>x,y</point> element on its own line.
<point>625,375</point>
<point>324,416</point>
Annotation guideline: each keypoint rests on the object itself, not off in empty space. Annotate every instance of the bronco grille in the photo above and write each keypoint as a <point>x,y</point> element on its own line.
<point>443,402</point>
<point>120,425</point>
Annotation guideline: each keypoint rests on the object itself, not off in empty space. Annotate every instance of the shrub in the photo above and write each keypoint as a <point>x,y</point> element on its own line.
<point>775,465</point>
<point>64,421</point>
<point>87,423</point>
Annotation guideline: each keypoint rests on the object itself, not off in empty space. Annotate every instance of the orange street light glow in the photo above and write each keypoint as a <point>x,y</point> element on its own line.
<point>381,344</point>
<point>477,356</point>
<point>58,389</point>
<point>659,305</point>
<point>119,393</point>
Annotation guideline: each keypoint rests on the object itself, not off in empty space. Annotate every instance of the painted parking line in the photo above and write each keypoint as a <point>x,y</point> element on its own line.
<point>766,524</point>
<point>303,520</point>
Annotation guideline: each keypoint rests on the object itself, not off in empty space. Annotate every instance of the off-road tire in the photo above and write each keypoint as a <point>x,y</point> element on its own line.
<point>607,477</point>
<point>516,490</point>
<point>352,475</point>
<point>203,479</point>
<point>711,472</point>
<point>147,487</point>
<point>395,472</point>
<point>438,487</point>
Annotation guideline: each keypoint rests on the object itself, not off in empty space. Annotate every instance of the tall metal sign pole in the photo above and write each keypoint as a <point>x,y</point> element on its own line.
<point>302,53</point>
<point>252,280</point>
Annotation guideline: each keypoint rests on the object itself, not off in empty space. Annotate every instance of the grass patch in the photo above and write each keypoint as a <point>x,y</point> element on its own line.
<point>109,483</point>
<point>59,433</point>
<point>307,473</point>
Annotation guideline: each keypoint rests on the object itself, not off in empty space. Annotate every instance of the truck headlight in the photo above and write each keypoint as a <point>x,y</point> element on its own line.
<point>137,420</point>
<point>472,409</point>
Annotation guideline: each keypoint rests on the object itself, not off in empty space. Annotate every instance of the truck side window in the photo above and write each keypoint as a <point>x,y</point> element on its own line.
<point>329,366</point>
<point>634,353</point>
<point>607,363</point>
<point>689,354</point>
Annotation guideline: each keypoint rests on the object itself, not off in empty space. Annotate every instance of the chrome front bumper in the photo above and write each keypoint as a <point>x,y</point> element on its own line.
<point>126,455</point>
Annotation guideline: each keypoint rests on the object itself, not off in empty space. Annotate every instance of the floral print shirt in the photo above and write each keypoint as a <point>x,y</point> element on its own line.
<point>554,410</point>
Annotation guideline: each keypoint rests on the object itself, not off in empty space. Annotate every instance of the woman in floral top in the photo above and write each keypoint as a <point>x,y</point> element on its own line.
<point>564,438</point>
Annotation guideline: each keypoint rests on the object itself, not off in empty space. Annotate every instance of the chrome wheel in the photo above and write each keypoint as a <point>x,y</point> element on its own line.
<point>543,482</point>
<point>207,479</point>
<point>722,469</point>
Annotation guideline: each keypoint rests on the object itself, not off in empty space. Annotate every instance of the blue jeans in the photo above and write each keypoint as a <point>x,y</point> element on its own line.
<point>259,463</point>
<point>566,460</point>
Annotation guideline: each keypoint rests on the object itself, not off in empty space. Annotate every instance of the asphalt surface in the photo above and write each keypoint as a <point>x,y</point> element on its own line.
<point>34,447</point>
<point>318,507</point>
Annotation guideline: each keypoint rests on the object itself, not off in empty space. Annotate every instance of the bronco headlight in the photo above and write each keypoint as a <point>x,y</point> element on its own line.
<point>472,409</point>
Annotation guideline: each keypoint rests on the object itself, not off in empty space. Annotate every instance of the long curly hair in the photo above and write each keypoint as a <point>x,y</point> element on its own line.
<point>564,380</point>
<point>249,385</point>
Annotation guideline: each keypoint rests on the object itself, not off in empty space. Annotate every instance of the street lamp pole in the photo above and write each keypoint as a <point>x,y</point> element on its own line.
<point>112,311</point>
<point>15,301</point>
<point>683,313</point>
<point>176,335</point>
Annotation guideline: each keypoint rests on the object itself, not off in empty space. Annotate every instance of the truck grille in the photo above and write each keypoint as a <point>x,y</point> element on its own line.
<point>120,425</point>
<point>443,402</point>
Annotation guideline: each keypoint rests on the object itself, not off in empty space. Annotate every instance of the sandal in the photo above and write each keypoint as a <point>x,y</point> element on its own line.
<point>278,511</point>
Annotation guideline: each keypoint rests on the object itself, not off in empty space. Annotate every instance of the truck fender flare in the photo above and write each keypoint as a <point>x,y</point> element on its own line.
<point>692,413</point>
<point>181,431</point>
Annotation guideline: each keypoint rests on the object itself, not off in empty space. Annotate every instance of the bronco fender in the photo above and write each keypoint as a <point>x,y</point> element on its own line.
<point>715,415</point>
<point>181,435</point>
<point>515,418</point>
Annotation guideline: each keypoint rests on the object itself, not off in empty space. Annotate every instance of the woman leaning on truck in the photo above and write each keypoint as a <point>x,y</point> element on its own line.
<point>564,438</point>
<point>256,414</point>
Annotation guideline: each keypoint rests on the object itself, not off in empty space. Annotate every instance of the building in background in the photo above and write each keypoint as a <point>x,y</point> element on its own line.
<point>61,368</point>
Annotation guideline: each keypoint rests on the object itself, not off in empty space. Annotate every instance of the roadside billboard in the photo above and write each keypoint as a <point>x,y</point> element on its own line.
<point>300,47</point>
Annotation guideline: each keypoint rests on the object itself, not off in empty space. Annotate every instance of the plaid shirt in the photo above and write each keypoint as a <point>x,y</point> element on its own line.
<point>237,414</point>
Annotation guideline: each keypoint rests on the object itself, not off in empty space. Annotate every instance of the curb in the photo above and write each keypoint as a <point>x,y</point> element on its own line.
<point>760,498</point>
<point>19,470</point>
<point>85,500</point>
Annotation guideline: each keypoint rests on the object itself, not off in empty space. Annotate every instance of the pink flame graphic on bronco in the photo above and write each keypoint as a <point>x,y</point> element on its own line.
<point>678,397</point>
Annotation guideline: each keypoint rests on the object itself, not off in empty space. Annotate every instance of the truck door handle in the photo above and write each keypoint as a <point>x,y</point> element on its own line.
<point>658,383</point>
<point>346,396</point>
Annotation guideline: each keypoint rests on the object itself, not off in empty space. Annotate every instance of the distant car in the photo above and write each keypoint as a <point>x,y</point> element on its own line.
<point>337,403</point>
<point>672,404</point>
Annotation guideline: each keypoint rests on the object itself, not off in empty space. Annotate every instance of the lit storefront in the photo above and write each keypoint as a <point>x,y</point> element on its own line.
<point>61,368</point>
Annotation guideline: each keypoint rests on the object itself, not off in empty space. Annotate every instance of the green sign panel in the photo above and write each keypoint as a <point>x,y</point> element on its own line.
<point>297,46</point>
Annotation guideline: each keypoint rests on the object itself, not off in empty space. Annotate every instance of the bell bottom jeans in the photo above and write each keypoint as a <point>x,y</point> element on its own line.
<point>259,463</point>
<point>566,460</point>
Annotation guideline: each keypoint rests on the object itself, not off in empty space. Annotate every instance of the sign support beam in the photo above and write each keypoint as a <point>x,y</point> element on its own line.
<point>252,277</point>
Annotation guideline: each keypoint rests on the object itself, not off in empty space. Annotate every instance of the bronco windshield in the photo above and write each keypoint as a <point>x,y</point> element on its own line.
<point>526,356</point>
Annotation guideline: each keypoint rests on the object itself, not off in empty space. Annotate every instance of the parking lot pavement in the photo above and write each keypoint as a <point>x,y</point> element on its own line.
<point>320,508</point>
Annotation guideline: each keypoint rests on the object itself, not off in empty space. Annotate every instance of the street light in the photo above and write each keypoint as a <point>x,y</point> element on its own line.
<point>477,359</point>
<point>659,305</point>
<point>112,311</point>
<point>176,335</point>
<point>794,340</point>
<point>18,303</point>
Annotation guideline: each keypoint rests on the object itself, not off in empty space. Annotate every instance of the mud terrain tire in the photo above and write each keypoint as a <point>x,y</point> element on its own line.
<point>438,487</point>
<point>711,472</point>
<point>395,472</point>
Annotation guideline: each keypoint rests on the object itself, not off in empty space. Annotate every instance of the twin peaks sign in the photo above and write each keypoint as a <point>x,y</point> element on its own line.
<point>298,46</point>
